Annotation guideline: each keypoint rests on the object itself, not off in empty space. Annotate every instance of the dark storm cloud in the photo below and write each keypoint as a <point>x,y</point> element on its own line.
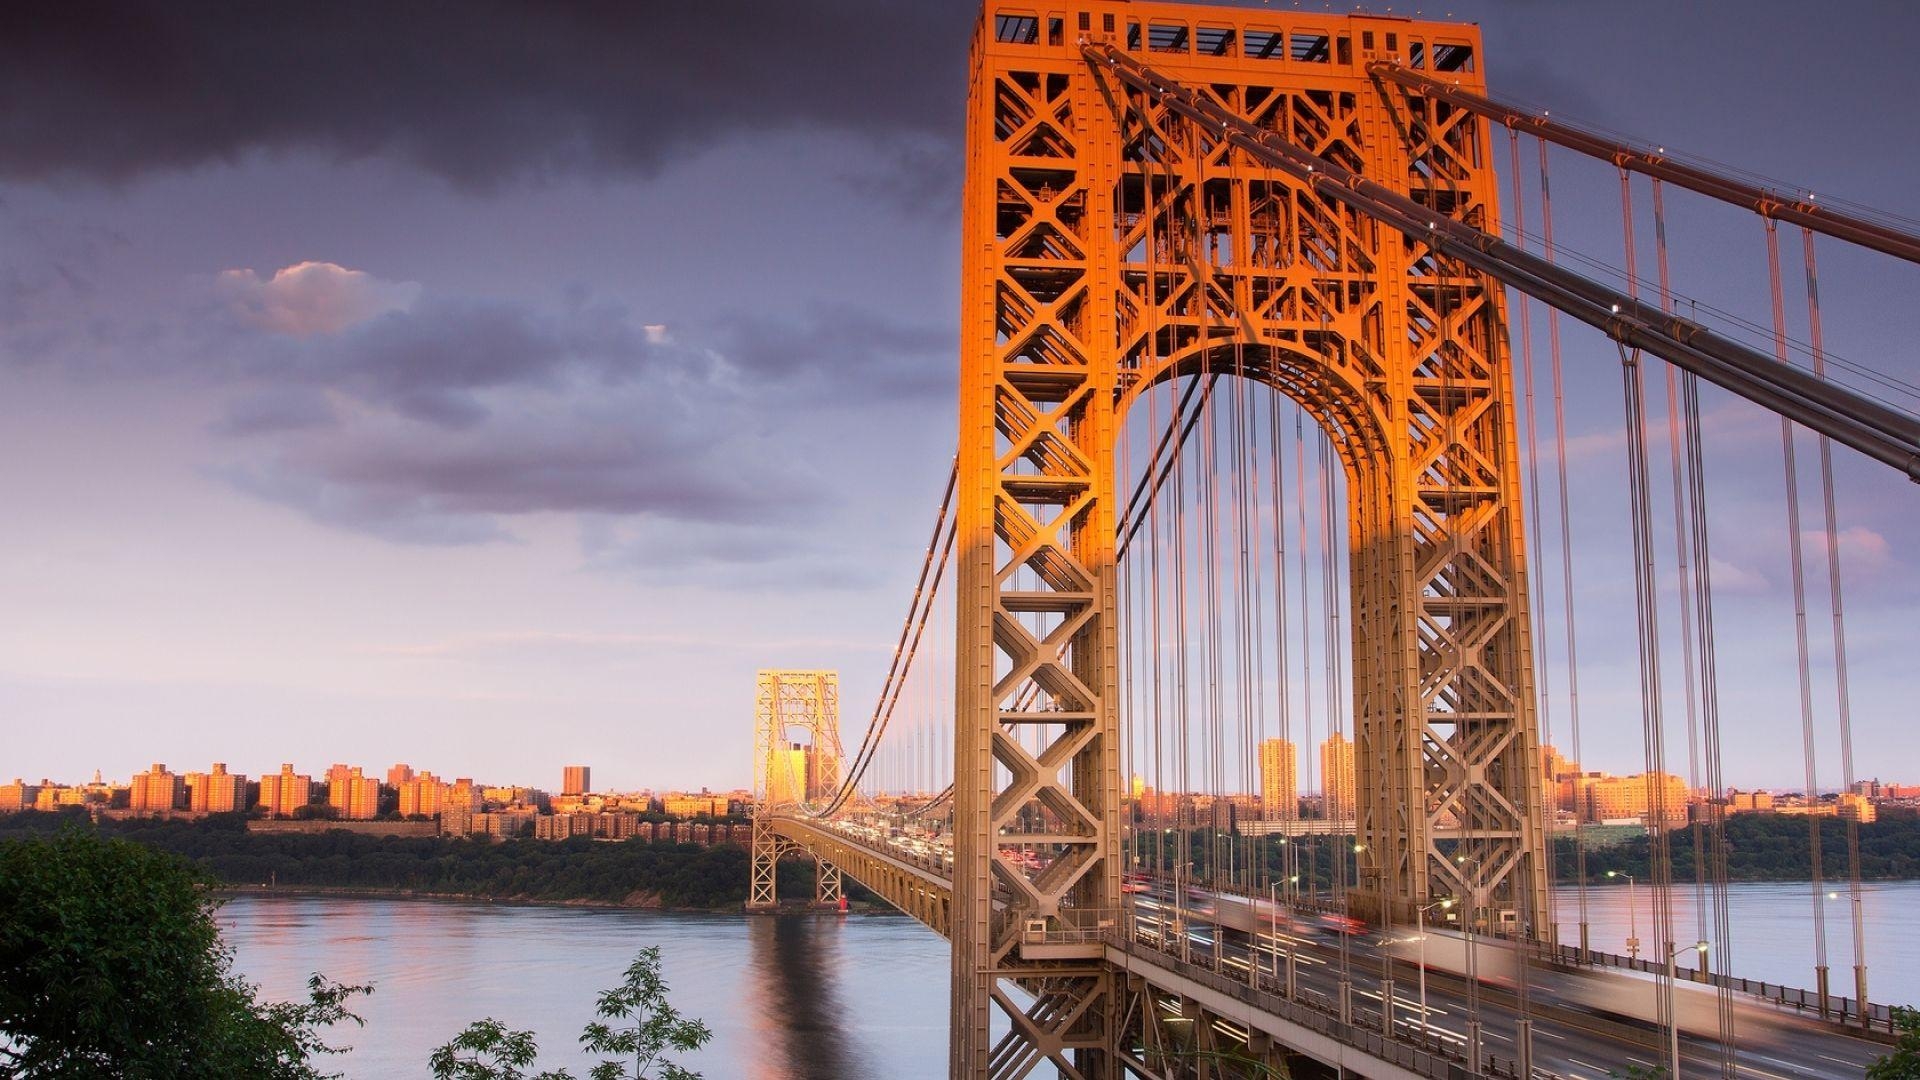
<point>842,352</point>
<point>274,410</point>
<point>476,92</point>
<point>454,415</point>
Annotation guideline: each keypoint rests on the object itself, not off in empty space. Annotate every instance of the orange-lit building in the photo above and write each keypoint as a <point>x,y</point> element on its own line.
<point>1279,780</point>
<point>1747,802</point>
<point>355,796</point>
<point>283,793</point>
<point>421,795</point>
<point>18,795</point>
<point>217,792</point>
<point>157,791</point>
<point>1615,799</point>
<point>1336,778</point>
<point>576,780</point>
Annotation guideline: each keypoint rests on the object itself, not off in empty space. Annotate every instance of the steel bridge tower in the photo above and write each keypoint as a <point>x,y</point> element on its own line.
<point>793,775</point>
<point>1111,244</point>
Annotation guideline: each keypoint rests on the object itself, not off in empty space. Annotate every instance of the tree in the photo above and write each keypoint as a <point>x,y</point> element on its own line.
<point>111,964</point>
<point>1904,1062</point>
<point>657,1027</point>
<point>486,1050</point>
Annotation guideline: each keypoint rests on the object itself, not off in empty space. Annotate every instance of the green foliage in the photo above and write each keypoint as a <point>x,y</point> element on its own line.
<point>1640,1072</point>
<point>1765,847</point>
<point>641,998</point>
<point>1904,1062</point>
<point>111,964</point>
<point>550,871</point>
<point>488,1050</point>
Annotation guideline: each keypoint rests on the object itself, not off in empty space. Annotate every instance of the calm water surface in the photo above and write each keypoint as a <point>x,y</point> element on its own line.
<point>788,998</point>
<point>825,998</point>
<point>1772,931</point>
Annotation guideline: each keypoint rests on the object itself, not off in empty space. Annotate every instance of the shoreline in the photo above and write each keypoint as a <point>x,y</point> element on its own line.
<point>350,892</point>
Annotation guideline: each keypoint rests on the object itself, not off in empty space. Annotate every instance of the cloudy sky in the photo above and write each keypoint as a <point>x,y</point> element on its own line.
<point>491,386</point>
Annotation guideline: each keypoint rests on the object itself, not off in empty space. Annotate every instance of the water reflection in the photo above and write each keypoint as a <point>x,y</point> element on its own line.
<point>788,998</point>
<point>795,961</point>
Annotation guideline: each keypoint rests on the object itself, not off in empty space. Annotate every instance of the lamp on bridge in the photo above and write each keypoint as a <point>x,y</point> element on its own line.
<point>1633,922</point>
<point>1859,961</point>
<point>1673,1019</point>
<point>1420,922</point>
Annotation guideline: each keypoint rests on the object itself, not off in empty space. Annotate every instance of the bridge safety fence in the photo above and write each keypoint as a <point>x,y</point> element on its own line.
<point>1319,1013</point>
<point>1841,1009</point>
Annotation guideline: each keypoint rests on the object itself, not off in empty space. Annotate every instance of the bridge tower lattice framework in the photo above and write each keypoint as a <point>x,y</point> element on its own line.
<point>1110,244</point>
<point>787,779</point>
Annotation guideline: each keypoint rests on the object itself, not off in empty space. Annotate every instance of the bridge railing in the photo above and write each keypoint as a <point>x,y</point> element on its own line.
<point>1427,1056</point>
<point>1844,1010</point>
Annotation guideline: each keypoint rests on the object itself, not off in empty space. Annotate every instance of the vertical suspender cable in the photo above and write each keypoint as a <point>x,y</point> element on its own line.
<point>1645,585</point>
<point>1841,688</point>
<point>1543,678</point>
<point>1306,636</point>
<point>1710,713</point>
<point>1682,498</point>
<point>1800,625</point>
<point>1289,848</point>
<point>1566,542</point>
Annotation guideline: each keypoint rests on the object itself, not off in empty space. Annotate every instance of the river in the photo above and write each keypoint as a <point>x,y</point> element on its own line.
<point>820,997</point>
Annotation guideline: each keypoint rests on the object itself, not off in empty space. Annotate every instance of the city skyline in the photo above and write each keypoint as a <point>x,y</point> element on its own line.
<point>348,435</point>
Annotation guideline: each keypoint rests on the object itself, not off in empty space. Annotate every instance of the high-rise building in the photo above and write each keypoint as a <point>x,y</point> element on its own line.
<point>576,780</point>
<point>355,796</point>
<point>459,802</point>
<point>1336,778</point>
<point>1279,780</point>
<point>421,796</point>
<point>157,791</point>
<point>1138,787</point>
<point>1553,766</point>
<point>399,774</point>
<point>1643,797</point>
<point>787,776</point>
<point>1857,808</point>
<point>285,792</point>
<point>18,795</point>
<point>217,792</point>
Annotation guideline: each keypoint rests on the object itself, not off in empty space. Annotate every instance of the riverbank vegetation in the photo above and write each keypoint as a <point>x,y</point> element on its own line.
<point>1765,847</point>
<point>111,964</point>
<point>580,870</point>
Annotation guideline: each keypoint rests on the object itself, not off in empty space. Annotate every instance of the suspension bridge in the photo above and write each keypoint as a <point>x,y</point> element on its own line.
<point>1248,408</point>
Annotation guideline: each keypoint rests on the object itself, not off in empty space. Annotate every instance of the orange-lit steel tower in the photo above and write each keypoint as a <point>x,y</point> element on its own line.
<point>1111,242</point>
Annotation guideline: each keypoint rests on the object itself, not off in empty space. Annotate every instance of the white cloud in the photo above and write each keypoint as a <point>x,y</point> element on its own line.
<point>1861,548</point>
<point>311,298</point>
<point>1727,577</point>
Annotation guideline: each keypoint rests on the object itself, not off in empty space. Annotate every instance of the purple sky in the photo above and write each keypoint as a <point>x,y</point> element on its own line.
<point>494,386</point>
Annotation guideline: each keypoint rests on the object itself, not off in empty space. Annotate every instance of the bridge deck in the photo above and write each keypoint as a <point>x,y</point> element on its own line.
<point>1232,986</point>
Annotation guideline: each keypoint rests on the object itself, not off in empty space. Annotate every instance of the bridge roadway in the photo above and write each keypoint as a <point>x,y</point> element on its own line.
<point>1233,985</point>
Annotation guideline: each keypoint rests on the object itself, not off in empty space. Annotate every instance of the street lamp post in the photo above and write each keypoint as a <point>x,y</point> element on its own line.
<point>1633,922</point>
<point>1673,1007</point>
<point>1420,920</point>
<point>1859,960</point>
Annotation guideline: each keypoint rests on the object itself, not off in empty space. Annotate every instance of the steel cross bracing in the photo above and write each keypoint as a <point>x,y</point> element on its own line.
<point>1152,197</point>
<point>785,779</point>
<point>1248,1010</point>
<point>1112,243</point>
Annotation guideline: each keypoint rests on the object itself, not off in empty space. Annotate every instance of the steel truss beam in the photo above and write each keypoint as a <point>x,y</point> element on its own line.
<point>1851,419</point>
<point>1794,208</point>
<point>785,779</point>
<point>1111,243</point>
